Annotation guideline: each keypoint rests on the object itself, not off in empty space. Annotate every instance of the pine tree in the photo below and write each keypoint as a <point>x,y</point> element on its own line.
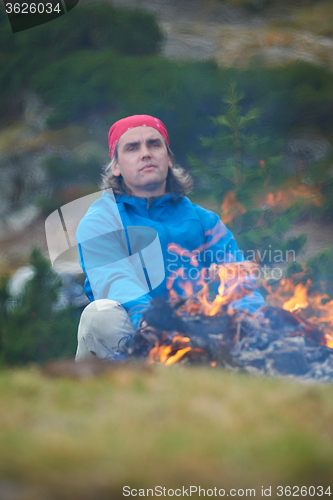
<point>237,167</point>
<point>233,154</point>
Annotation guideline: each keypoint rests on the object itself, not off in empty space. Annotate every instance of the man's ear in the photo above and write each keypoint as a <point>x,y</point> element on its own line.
<point>115,168</point>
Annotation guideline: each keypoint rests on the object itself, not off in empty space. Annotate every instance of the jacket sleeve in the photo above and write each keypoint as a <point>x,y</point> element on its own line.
<point>105,259</point>
<point>221,247</point>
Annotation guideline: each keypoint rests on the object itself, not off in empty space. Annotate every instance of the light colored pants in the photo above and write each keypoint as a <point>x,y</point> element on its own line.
<point>102,325</point>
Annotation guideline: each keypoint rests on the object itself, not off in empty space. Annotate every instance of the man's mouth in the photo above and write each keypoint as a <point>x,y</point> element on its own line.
<point>149,166</point>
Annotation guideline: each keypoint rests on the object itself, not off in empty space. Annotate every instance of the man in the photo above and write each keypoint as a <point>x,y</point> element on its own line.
<point>144,237</point>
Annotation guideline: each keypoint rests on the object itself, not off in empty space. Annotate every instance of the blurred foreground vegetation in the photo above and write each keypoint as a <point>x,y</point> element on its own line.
<point>173,427</point>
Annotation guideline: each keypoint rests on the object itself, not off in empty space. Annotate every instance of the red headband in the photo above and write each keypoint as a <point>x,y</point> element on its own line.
<point>121,126</point>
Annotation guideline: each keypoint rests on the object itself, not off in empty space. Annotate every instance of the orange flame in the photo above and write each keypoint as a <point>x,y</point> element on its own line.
<point>313,309</point>
<point>299,299</point>
<point>231,207</point>
<point>178,355</point>
<point>173,352</point>
<point>287,197</point>
<point>232,278</point>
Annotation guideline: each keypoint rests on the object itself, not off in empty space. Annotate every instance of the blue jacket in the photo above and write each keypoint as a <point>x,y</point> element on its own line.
<point>131,249</point>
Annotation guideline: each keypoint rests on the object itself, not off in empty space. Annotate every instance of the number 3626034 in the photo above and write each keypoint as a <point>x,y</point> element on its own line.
<point>32,8</point>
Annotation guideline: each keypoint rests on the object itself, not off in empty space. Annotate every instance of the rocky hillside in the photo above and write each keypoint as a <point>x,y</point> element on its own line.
<point>234,35</point>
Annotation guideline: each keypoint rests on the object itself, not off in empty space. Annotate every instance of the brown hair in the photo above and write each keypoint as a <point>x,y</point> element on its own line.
<point>177,182</point>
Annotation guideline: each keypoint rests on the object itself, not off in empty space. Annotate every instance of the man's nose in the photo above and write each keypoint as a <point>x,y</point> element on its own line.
<point>145,151</point>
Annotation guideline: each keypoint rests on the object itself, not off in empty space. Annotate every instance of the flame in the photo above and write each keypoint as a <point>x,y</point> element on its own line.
<point>233,278</point>
<point>178,355</point>
<point>235,281</point>
<point>231,207</point>
<point>286,197</point>
<point>314,310</point>
<point>171,353</point>
<point>180,338</point>
<point>299,299</point>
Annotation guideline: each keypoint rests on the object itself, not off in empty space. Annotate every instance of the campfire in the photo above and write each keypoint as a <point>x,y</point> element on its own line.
<point>291,335</point>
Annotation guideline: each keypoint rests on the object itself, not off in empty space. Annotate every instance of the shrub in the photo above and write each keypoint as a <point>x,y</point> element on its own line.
<point>320,270</point>
<point>91,26</point>
<point>31,330</point>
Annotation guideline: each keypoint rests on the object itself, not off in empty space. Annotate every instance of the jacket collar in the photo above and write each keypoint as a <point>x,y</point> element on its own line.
<point>135,200</point>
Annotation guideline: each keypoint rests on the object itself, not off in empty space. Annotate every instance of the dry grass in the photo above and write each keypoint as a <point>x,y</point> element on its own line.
<point>62,438</point>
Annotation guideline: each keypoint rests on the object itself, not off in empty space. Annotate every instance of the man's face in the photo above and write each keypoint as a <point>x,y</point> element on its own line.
<point>143,161</point>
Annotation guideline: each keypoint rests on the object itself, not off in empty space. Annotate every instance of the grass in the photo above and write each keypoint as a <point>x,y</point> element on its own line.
<point>86,439</point>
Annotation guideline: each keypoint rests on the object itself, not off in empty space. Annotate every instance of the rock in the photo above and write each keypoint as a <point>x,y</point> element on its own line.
<point>71,293</point>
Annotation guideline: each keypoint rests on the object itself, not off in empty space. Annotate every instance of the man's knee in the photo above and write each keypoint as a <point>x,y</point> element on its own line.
<point>103,324</point>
